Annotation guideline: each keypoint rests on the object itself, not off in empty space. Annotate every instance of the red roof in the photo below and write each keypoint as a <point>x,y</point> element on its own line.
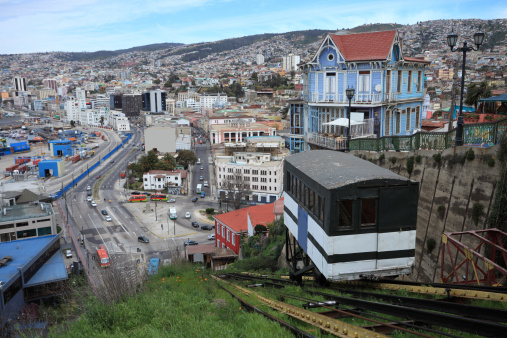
<point>237,220</point>
<point>365,46</point>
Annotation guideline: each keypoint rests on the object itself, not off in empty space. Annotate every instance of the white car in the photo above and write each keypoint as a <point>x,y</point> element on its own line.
<point>93,204</point>
<point>187,214</point>
<point>88,188</point>
<point>68,254</point>
<point>211,237</point>
<point>89,198</point>
<point>206,184</point>
<point>108,218</point>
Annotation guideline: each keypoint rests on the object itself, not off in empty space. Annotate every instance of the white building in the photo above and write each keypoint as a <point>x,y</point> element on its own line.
<point>170,106</point>
<point>261,171</point>
<point>290,62</point>
<point>19,84</point>
<point>119,122</point>
<point>26,220</point>
<point>50,83</point>
<point>160,179</point>
<point>71,110</point>
<point>163,138</point>
<point>101,101</point>
<point>207,101</point>
<point>156,100</point>
<point>259,59</point>
<point>92,117</point>
<point>81,98</point>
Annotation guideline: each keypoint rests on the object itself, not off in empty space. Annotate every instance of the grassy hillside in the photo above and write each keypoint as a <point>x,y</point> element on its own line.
<point>104,54</point>
<point>375,27</point>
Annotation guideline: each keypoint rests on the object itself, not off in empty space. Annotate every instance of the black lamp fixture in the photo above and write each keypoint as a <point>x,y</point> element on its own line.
<point>452,40</point>
<point>350,94</point>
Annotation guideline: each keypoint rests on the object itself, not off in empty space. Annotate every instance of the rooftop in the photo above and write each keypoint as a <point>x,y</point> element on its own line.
<point>341,169</point>
<point>23,211</point>
<point>237,220</point>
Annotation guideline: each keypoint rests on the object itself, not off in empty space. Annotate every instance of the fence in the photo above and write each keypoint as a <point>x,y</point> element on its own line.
<point>479,134</point>
<point>90,169</point>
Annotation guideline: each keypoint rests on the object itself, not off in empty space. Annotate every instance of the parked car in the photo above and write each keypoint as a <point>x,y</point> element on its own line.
<point>206,184</point>
<point>88,193</point>
<point>68,254</point>
<point>93,204</point>
<point>89,199</point>
<point>135,193</point>
<point>103,212</point>
<point>203,194</point>
<point>201,178</point>
<point>187,214</point>
<point>97,177</point>
<point>202,168</point>
<point>143,239</point>
<point>206,227</point>
<point>146,193</point>
<point>171,200</point>
<point>88,188</point>
<point>112,161</point>
<point>195,224</point>
<point>252,203</point>
<point>211,237</point>
<point>190,242</point>
<point>194,199</point>
<point>108,218</point>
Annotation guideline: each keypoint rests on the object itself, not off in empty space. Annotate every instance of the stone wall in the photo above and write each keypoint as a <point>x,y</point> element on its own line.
<point>447,194</point>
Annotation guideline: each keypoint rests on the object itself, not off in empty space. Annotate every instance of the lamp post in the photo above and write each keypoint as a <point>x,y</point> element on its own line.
<point>350,94</point>
<point>451,42</point>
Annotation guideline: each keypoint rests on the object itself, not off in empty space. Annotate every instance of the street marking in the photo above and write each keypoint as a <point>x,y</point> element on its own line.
<point>96,229</point>
<point>119,222</point>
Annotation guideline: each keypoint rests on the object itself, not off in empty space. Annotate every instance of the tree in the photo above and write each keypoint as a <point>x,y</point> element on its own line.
<point>254,76</point>
<point>72,123</point>
<point>260,228</point>
<point>167,84</point>
<point>186,157</point>
<point>157,81</point>
<point>169,159</point>
<point>101,121</point>
<point>477,92</point>
<point>237,189</point>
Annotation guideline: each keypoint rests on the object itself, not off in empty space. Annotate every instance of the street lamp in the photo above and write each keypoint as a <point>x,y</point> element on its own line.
<point>350,94</point>
<point>451,42</point>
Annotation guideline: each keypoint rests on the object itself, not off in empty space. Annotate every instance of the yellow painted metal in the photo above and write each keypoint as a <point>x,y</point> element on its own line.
<point>333,326</point>
<point>434,290</point>
<point>444,239</point>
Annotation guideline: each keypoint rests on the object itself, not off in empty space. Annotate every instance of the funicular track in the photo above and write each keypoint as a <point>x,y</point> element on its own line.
<point>423,313</point>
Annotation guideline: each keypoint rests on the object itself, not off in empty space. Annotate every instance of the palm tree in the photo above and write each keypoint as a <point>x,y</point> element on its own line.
<point>477,92</point>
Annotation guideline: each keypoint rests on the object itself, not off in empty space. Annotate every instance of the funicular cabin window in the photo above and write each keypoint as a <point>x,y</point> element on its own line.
<point>311,202</point>
<point>345,213</point>
<point>368,211</point>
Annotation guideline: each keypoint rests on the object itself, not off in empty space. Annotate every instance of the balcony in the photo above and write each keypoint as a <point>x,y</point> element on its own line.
<point>339,142</point>
<point>359,99</point>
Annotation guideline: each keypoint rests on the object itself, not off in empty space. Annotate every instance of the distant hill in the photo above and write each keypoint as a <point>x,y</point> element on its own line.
<point>104,54</point>
<point>375,27</point>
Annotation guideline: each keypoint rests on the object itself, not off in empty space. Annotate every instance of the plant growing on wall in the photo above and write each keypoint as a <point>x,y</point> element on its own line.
<point>470,154</point>
<point>381,158</point>
<point>437,158</point>
<point>418,159</point>
<point>393,160</point>
<point>477,212</point>
<point>441,211</point>
<point>431,244</point>
<point>410,165</point>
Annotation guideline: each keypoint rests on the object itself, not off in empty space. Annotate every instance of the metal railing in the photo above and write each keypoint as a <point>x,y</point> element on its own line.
<point>478,134</point>
<point>359,98</point>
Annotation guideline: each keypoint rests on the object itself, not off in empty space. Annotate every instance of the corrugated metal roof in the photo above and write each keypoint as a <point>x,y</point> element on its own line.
<point>334,169</point>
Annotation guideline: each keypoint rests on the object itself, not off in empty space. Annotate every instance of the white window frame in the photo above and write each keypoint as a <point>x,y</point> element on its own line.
<point>363,83</point>
<point>228,235</point>
<point>233,239</point>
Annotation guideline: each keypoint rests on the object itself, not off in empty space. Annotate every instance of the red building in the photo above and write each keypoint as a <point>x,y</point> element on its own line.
<point>229,227</point>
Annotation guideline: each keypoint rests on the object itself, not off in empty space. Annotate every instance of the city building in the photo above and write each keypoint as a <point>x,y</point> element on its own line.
<point>50,83</point>
<point>155,101</point>
<point>26,220</point>
<point>238,131</point>
<point>101,101</point>
<point>119,122</point>
<point>259,59</point>
<point>260,175</point>
<point>161,179</point>
<point>131,104</point>
<point>232,225</point>
<point>388,94</point>
<point>207,101</point>
<point>162,138</point>
<point>19,84</point>
<point>290,62</point>
<point>80,95</point>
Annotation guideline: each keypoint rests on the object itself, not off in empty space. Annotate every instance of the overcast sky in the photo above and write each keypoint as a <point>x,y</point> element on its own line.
<point>91,25</point>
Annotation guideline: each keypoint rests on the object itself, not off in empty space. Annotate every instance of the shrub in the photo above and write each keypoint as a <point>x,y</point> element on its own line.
<point>491,162</point>
<point>381,158</point>
<point>260,228</point>
<point>410,165</point>
<point>441,211</point>
<point>393,159</point>
<point>470,154</point>
<point>489,117</point>
<point>431,244</point>
<point>437,158</point>
<point>210,211</point>
<point>418,159</point>
<point>477,212</point>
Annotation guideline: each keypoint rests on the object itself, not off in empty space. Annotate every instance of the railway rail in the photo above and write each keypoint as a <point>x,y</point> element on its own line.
<point>431,313</point>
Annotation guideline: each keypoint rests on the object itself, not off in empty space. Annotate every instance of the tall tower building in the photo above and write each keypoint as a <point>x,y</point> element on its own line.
<point>290,62</point>
<point>50,83</point>
<point>259,59</point>
<point>19,84</point>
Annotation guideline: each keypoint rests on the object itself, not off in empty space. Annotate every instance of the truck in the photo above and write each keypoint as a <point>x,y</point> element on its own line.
<point>103,256</point>
<point>122,174</point>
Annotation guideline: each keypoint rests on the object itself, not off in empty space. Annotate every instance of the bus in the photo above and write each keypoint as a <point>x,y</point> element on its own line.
<point>138,198</point>
<point>199,189</point>
<point>158,197</point>
<point>172,213</point>
<point>103,257</point>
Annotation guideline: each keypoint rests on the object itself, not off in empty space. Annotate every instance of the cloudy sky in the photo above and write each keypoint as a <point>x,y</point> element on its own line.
<point>91,25</point>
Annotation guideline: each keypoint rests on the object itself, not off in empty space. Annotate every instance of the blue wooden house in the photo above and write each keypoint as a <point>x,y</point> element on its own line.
<point>388,91</point>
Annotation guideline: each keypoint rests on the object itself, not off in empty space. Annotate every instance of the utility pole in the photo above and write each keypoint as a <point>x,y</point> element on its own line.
<point>453,94</point>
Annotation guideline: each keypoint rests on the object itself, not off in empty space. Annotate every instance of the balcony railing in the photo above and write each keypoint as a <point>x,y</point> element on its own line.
<point>359,98</point>
<point>334,143</point>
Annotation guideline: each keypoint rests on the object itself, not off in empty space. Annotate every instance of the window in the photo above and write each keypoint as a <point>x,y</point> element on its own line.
<point>255,179</point>
<point>255,187</point>
<point>368,211</point>
<point>398,122</point>
<point>311,202</point>
<point>399,81</point>
<point>264,172</point>
<point>330,56</point>
<point>247,171</point>
<point>263,187</point>
<point>345,213</point>
<point>388,82</point>
<point>407,119</point>
<point>22,224</point>
<point>255,172</point>
<point>230,170</point>
<point>409,87</point>
<point>223,231</point>
<point>233,239</point>
<point>364,82</point>
<point>228,235</point>
<point>145,179</point>
<point>419,80</point>
<point>263,179</point>
<point>238,171</point>
<point>6,226</point>
<point>246,178</point>
<point>417,117</point>
<point>330,82</point>
<point>218,243</point>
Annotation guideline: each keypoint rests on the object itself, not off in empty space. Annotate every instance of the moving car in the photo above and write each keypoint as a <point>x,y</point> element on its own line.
<point>89,198</point>
<point>88,193</point>
<point>201,178</point>
<point>104,212</point>
<point>206,227</point>
<point>135,193</point>
<point>194,199</point>
<point>93,204</point>
<point>171,200</point>
<point>108,218</point>
<point>206,184</point>
<point>190,242</point>
<point>211,237</point>
<point>195,224</point>
<point>97,177</point>
<point>187,214</point>
<point>68,254</point>
<point>203,194</point>
<point>202,168</point>
<point>143,239</point>
<point>88,188</point>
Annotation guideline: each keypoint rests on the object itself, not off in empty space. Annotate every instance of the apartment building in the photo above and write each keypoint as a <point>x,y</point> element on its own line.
<point>160,179</point>
<point>119,122</point>
<point>238,131</point>
<point>262,173</point>
<point>26,220</point>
